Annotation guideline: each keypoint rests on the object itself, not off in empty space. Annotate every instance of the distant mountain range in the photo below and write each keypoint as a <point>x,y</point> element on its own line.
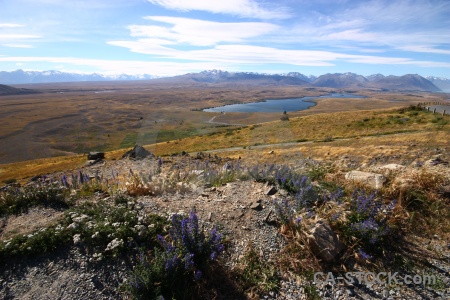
<point>409,82</point>
<point>22,77</point>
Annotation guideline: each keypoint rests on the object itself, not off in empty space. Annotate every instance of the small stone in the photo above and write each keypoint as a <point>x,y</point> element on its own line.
<point>256,206</point>
<point>271,191</point>
<point>96,155</point>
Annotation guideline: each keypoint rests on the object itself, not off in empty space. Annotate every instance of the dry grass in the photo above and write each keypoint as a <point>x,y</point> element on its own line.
<point>27,169</point>
<point>81,117</point>
<point>355,138</point>
<point>73,118</point>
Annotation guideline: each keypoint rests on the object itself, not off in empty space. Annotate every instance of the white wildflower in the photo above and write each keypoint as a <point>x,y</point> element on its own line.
<point>77,238</point>
<point>97,256</point>
<point>72,226</point>
<point>114,244</point>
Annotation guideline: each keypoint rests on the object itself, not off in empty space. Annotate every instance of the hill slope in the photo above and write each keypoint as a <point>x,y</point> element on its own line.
<point>9,90</point>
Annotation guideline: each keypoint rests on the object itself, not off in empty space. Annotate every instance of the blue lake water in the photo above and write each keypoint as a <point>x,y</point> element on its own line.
<point>277,105</point>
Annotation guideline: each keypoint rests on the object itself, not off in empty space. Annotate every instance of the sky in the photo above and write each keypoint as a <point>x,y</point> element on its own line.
<point>172,37</point>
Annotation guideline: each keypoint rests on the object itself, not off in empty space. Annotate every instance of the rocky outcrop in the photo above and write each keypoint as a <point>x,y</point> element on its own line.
<point>138,152</point>
<point>373,180</point>
<point>324,242</point>
<point>96,155</point>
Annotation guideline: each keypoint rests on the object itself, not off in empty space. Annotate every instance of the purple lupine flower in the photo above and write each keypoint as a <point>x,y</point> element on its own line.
<point>283,210</point>
<point>81,177</point>
<point>172,263</point>
<point>198,275</point>
<point>160,162</point>
<point>213,255</point>
<point>64,181</point>
<point>335,216</point>
<point>364,255</point>
<point>188,261</point>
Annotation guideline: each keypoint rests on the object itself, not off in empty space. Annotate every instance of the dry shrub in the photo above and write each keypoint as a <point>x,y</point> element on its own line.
<point>297,257</point>
<point>137,187</point>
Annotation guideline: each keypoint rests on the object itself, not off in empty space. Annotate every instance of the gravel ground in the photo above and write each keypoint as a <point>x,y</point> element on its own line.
<point>243,210</point>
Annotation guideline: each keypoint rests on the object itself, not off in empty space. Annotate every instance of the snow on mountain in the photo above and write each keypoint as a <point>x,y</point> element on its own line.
<point>21,76</point>
<point>440,82</point>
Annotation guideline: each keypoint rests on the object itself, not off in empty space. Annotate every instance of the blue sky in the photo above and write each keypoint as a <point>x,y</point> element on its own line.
<point>170,37</point>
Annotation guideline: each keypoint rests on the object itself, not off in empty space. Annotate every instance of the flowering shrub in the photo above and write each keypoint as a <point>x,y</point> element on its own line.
<point>368,218</point>
<point>99,228</point>
<point>186,254</point>
<point>262,173</point>
<point>14,200</point>
<point>188,246</point>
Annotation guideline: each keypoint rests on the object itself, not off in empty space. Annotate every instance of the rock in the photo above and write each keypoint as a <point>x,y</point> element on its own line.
<point>271,191</point>
<point>256,205</point>
<point>138,152</point>
<point>436,161</point>
<point>392,167</point>
<point>94,162</point>
<point>324,242</point>
<point>270,219</point>
<point>184,153</point>
<point>373,180</point>
<point>96,155</point>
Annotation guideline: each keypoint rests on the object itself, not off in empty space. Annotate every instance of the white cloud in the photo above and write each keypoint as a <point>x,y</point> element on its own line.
<point>199,32</point>
<point>10,25</point>
<point>252,55</point>
<point>17,45</point>
<point>18,36</point>
<point>424,49</point>
<point>381,23</point>
<point>242,8</point>
<point>118,66</point>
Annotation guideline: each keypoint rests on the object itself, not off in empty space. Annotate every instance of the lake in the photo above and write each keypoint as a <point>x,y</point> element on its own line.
<point>277,105</point>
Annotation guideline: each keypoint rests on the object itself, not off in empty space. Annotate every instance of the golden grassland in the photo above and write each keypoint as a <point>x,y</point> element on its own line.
<point>69,119</point>
<point>77,118</point>
<point>317,128</point>
<point>74,118</point>
<point>323,136</point>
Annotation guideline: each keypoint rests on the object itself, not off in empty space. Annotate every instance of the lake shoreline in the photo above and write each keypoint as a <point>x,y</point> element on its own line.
<point>276,105</point>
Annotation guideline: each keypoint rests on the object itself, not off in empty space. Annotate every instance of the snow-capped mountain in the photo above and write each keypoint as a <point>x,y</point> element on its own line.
<point>21,76</point>
<point>409,82</point>
<point>440,82</point>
